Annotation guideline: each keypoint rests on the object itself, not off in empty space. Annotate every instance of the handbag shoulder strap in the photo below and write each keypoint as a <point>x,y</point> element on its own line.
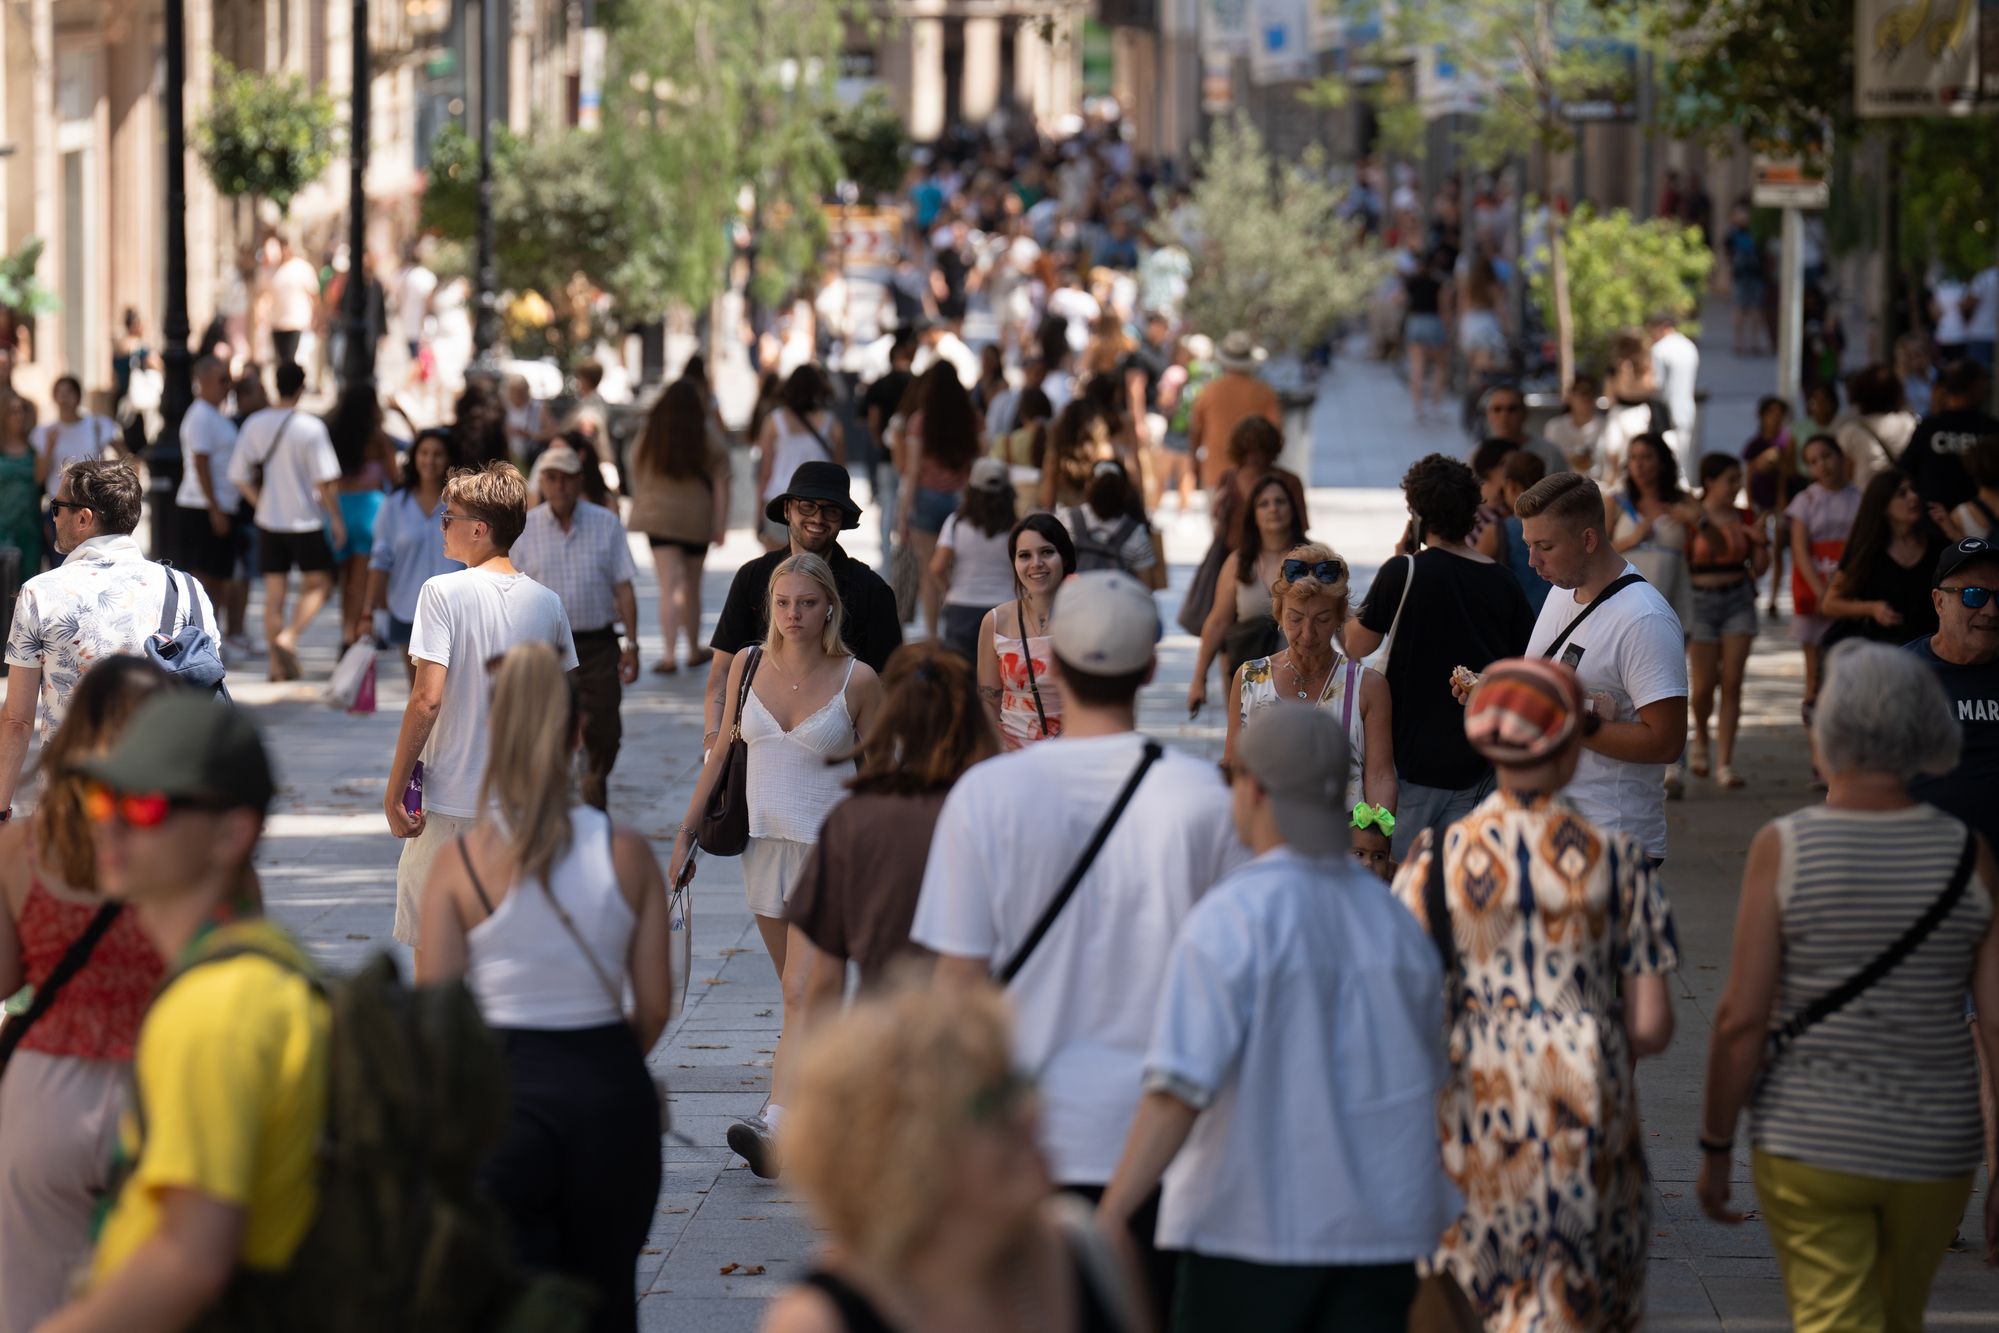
<point>612,990</point>
<point>1408,581</point>
<point>813,431</point>
<point>1617,585</point>
<point>1830,1003</point>
<point>1437,909</point>
<point>170,607</point>
<point>743,692</point>
<point>1007,973</point>
<point>66,968</point>
<point>277,439</point>
<point>1027,656</point>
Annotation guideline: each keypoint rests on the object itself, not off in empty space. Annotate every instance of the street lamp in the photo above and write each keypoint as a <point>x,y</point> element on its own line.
<point>163,461</point>
<point>359,368</point>
<point>486,317</point>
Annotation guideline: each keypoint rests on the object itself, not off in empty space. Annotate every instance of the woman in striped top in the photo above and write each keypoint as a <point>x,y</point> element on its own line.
<point>1865,1128</point>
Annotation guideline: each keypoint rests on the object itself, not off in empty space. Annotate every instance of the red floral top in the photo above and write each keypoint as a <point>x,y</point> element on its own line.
<point>97,1015</point>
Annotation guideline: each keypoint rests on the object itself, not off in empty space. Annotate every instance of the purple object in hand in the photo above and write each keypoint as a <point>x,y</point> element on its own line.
<point>413,793</point>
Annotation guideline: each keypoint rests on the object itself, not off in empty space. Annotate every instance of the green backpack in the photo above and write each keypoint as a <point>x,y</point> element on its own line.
<point>403,1238</point>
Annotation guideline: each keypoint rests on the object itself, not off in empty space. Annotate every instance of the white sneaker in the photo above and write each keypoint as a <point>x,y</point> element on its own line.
<point>752,1141</point>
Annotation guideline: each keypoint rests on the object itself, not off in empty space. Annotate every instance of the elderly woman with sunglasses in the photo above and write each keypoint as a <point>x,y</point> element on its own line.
<point>1309,598</point>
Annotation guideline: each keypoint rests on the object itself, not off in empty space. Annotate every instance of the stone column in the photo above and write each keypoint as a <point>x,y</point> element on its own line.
<point>979,88</point>
<point>926,79</point>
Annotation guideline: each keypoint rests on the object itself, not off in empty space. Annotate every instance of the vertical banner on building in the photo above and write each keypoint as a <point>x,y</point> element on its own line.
<point>1280,43</point>
<point>1328,25</point>
<point>1217,83</point>
<point>1225,27</point>
<point>1915,59</point>
<point>590,81</point>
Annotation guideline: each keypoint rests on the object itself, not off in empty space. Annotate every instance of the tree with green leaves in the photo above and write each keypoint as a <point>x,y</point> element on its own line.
<point>1622,272</point>
<point>873,143</point>
<point>22,294</point>
<point>265,136</point>
<point>1271,253</point>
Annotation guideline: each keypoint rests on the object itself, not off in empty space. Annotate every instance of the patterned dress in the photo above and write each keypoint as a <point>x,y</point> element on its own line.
<point>1539,1120</point>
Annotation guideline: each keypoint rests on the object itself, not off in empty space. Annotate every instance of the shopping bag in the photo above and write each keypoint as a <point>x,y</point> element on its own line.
<point>345,686</point>
<point>364,698</point>
<point>680,933</point>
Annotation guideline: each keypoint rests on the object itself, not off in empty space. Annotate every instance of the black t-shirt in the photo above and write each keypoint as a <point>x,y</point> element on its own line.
<point>884,396</point>
<point>1460,613</point>
<point>1150,362</point>
<point>1934,459</point>
<point>1423,293</point>
<point>870,627</point>
<point>1906,588</point>
<point>1967,790</point>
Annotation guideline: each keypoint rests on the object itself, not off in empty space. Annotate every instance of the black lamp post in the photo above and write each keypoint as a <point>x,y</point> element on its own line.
<point>163,461</point>
<point>486,315</point>
<point>358,366</point>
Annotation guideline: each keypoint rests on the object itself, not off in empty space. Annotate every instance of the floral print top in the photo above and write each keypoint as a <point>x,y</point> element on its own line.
<point>104,600</point>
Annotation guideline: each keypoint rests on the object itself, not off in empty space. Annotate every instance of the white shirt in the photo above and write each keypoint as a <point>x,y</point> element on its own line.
<point>1303,1011</point>
<point>1633,649</point>
<point>1085,1003</point>
<point>294,293</point>
<point>85,438</point>
<point>1621,424</point>
<point>413,293</point>
<point>952,350</point>
<point>105,599</point>
<point>981,569</point>
<point>1577,441</point>
<point>1677,362</point>
<point>470,618</point>
<point>206,433</point>
<point>1982,325</point>
<point>1949,295</point>
<point>294,467</point>
<point>582,566</point>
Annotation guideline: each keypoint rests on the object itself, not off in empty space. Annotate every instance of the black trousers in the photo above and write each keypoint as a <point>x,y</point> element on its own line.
<point>577,1171</point>
<point>1158,1268</point>
<point>600,694</point>
<point>1217,1293</point>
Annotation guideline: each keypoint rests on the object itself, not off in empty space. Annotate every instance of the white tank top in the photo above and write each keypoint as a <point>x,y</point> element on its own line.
<point>526,969</point>
<point>790,785</point>
<point>794,445</point>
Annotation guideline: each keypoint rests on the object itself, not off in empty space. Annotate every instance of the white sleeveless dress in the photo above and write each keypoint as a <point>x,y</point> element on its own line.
<point>791,788</point>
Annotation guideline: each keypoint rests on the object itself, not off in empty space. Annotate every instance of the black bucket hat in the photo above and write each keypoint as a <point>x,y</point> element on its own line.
<point>824,482</point>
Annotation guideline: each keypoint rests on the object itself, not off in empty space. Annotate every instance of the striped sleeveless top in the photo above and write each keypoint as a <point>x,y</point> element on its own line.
<point>1887,1087</point>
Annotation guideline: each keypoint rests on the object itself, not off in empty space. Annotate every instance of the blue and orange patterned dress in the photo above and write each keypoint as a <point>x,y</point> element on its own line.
<point>1539,1119</point>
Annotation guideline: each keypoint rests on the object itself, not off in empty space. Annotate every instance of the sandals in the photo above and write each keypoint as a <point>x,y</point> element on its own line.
<point>664,667</point>
<point>699,657</point>
<point>1726,776</point>
<point>1697,757</point>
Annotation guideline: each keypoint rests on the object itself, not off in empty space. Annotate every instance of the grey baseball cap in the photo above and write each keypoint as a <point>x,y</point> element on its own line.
<point>1298,755</point>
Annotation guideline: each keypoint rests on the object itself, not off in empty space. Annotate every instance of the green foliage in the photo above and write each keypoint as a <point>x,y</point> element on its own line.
<point>266,136</point>
<point>1743,71</point>
<point>22,294</point>
<point>1947,185</point>
<point>871,140</point>
<point>1620,272</point>
<point>1270,252</point>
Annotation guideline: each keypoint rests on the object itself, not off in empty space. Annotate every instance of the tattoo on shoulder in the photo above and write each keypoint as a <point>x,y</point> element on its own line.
<point>990,693</point>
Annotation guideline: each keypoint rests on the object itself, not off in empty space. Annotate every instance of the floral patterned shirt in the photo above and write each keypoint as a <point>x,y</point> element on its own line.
<point>104,600</point>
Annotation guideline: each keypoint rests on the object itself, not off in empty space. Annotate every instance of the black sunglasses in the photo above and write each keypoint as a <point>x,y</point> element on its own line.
<point>58,505</point>
<point>1971,599</point>
<point>1325,571</point>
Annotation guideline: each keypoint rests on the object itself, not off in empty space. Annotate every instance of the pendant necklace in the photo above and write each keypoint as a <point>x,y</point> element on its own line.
<point>1297,676</point>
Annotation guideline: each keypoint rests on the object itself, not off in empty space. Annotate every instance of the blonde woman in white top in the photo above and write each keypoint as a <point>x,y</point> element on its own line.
<point>1309,597</point>
<point>806,702</point>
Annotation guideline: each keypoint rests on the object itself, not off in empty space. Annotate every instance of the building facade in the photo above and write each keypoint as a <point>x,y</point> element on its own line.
<point>956,62</point>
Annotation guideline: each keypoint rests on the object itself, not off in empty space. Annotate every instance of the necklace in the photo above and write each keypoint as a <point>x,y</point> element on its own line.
<point>1040,619</point>
<point>1298,677</point>
<point>787,675</point>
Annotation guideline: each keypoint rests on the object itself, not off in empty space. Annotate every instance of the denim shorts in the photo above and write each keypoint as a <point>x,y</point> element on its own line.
<point>931,509</point>
<point>1720,612</point>
<point>1424,330</point>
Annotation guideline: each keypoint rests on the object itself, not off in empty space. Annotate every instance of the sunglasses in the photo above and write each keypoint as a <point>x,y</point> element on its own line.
<point>57,506</point>
<point>448,518</point>
<point>141,810</point>
<point>1325,571</point>
<point>1971,599</point>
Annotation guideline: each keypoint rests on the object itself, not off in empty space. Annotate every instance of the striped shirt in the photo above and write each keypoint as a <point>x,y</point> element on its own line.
<point>1886,1087</point>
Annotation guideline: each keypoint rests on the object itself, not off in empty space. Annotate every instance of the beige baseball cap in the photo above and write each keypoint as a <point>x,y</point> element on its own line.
<point>1105,624</point>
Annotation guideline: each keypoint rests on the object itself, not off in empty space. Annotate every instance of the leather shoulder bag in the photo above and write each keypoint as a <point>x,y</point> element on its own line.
<point>725,824</point>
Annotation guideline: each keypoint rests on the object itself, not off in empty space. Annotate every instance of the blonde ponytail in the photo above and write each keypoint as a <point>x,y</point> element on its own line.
<point>527,780</point>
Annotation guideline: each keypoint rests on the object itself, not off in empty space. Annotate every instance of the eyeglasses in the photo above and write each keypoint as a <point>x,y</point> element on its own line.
<point>1971,599</point>
<point>448,518</point>
<point>813,509</point>
<point>142,810</point>
<point>57,506</point>
<point>1325,571</point>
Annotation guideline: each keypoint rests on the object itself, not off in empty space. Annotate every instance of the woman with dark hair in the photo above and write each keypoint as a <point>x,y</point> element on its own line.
<point>479,421</point>
<point>408,543</point>
<point>1023,448</point>
<point>1110,527</point>
<point>1014,654</point>
<point>1880,425</point>
<point>939,441</point>
<point>1881,589</point>
<point>992,379</point>
<point>1727,553</point>
<point>680,501</point>
<point>1253,450</point>
<point>1080,437</point>
<point>1242,624</point>
<point>972,560</point>
<point>1445,606</point>
<point>1649,519</point>
<point>20,492</point>
<point>799,428</point>
<point>367,471</point>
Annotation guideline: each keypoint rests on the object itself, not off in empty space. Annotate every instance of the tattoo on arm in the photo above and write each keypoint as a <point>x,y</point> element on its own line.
<point>990,693</point>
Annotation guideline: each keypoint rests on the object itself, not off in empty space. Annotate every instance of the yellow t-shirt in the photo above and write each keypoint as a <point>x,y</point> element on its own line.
<point>231,1069</point>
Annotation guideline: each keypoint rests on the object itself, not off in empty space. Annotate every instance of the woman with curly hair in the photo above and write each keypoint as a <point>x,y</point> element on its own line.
<point>1445,606</point>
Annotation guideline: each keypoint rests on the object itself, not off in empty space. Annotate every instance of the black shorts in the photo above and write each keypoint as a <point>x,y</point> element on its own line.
<point>282,552</point>
<point>202,552</point>
<point>692,550</point>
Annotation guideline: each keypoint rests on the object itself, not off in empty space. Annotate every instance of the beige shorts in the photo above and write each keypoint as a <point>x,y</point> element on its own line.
<point>771,866</point>
<point>413,871</point>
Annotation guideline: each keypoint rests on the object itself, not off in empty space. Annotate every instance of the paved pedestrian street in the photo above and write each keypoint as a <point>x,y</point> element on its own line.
<point>723,1240</point>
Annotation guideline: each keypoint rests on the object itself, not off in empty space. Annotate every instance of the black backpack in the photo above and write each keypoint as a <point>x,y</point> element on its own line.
<point>402,1240</point>
<point>1100,553</point>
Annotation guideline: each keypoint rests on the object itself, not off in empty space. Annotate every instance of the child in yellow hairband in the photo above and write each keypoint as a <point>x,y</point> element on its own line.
<point>1373,826</point>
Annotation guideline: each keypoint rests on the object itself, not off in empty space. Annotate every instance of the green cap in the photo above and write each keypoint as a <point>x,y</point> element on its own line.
<point>189,745</point>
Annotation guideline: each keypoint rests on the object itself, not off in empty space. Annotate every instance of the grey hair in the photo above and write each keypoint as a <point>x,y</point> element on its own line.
<point>1882,710</point>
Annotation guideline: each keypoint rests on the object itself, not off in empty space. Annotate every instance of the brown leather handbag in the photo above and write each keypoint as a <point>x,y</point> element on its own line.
<point>725,824</point>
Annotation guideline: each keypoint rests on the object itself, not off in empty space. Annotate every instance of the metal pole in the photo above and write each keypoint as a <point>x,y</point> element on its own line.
<point>163,460</point>
<point>486,319</point>
<point>1790,306</point>
<point>358,366</point>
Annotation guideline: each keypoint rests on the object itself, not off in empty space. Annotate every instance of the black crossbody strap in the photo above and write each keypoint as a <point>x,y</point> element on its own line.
<point>277,439</point>
<point>1437,909</point>
<point>66,967</point>
<point>1027,656</point>
<point>1082,867</point>
<point>1617,586</point>
<point>1830,1003</point>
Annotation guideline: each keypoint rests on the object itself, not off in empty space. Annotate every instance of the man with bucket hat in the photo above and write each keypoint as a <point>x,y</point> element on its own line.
<point>817,506</point>
<point>1237,394</point>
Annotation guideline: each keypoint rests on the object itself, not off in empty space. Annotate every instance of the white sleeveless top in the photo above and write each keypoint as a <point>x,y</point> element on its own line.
<point>790,785</point>
<point>795,444</point>
<point>1341,697</point>
<point>526,970</point>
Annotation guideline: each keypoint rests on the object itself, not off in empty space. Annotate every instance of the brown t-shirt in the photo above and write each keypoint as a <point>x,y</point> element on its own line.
<point>856,897</point>
<point>1223,405</point>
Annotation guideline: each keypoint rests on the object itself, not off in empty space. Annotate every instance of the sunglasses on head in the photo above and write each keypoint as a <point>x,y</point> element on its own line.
<point>143,810</point>
<point>1972,599</point>
<point>1325,571</point>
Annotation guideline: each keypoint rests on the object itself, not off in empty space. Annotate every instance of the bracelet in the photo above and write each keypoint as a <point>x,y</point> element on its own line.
<point>6,814</point>
<point>1717,1147</point>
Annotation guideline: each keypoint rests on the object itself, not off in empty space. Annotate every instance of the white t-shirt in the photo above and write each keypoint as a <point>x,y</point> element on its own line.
<point>1677,362</point>
<point>294,293</point>
<point>294,467</point>
<point>981,570</point>
<point>1085,1003</point>
<point>1303,1012</point>
<point>205,432</point>
<point>1982,325</point>
<point>1633,649</point>
<point>1949,296</point>
<point>83,439</point>
<point>463,621</point>
<point>413,295</point>
<point>1578,441</point>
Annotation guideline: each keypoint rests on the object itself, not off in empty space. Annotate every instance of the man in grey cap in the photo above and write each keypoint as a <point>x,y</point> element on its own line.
<point>1063,870</point>
<point>1292,1078</point>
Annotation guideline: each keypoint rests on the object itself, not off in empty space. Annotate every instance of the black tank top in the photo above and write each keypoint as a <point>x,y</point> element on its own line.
<point>858,1314</point>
